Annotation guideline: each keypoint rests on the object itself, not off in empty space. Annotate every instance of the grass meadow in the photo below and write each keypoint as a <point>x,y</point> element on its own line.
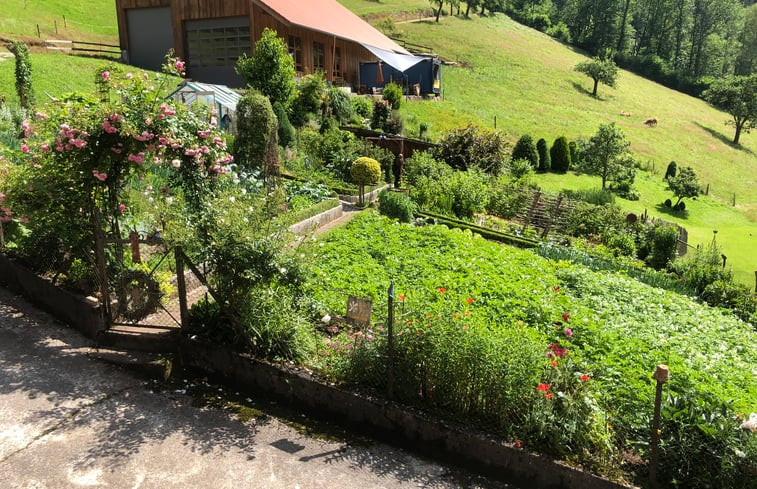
<point>80,20</point>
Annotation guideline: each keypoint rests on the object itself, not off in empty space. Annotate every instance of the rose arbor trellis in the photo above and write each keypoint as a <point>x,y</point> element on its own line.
<point>87,161</point>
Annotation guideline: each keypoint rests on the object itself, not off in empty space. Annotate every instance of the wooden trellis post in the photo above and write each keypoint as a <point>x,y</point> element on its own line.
<point>531,210</point>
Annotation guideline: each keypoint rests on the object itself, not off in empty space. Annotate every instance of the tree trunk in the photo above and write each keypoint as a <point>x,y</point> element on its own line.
<point>624,19</point>
<point>739,125</point>
<point>467,10</point>
<point>439,12</point>
<point>596,84</point>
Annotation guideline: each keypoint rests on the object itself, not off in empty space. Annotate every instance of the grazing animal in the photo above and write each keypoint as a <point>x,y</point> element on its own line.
<point>625,114</point>
<point>651,122</point>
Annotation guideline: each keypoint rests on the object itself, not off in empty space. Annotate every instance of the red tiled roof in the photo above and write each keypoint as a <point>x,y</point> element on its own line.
<point>330,17</point>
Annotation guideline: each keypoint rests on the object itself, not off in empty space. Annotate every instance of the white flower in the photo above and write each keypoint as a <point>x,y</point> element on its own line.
<point>283,271</point>
<point>326,319</point>
<point>176,163</point>
<point>751,423</point>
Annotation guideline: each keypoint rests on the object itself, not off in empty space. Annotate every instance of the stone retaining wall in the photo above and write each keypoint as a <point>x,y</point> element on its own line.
<point>317,221</point>
<point>390,420</point>
<point>65,306</point>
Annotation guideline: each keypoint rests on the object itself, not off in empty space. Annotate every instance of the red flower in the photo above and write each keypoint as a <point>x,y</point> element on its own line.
<point>518,444</point>
<point>542,388</point>
<point>402,297</point>
<point>556,287</point>
<point>565,317</point>
<point>554,363</point>
<point>584,378</point>
<point>548,396</point>
<point>442,290</point>
<point>470,300</point>
<point>556,350</point>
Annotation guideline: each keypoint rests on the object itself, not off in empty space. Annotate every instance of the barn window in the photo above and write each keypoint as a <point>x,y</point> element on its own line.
<point>295,50</point>
<point>217,42</point>
<point>319,60</point>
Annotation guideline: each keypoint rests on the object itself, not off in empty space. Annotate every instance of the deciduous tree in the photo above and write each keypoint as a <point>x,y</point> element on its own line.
<point>736,95</point>
<point>601,70</point>
<point>606,155</point>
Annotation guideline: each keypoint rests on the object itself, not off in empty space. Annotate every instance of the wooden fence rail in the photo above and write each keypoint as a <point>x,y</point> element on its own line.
<point>74,47</point>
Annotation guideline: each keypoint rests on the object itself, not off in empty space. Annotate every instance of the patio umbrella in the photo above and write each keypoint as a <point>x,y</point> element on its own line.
<point>379,75</point>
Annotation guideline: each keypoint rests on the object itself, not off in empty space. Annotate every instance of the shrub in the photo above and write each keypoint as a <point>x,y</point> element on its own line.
<point>286,132</point>
<point>385,159</point>
<point>575,156</point>
<point>308,99</point>
<point>396,205</point>
<point>380,116</point>
<point>589,220</point>
<point>424,165</point>
<point>620,243</point>
<point>659,245</point>
<point>560,155</point>
<point>24,87</point>
<point>671,170</point>
<point>256,125</point>
<point>595,196</point>
<point>473,147</point>
<point>271,69</point>
<point>702,267</point>
<point>525,149</point>
<point>392,93</point>
<point>469,191</point>
<point>340,105</point>
<point>507,199</point>
<point>362,107</point>
<point>545,162</point>
<point>521,171</point>
<point>365,171</point>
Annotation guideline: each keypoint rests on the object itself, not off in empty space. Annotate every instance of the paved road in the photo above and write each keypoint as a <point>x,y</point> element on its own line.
<point>67,420</point>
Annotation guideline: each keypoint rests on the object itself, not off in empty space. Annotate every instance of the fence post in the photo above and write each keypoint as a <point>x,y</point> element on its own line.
<point>39,34</point>
<point>390,344</point>
<point>65,25</point>
<point>182,286</point>
<point>661,375</point>
<point>101,273</point>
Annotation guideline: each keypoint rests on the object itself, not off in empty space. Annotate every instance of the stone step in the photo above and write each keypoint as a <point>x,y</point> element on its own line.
<point>142,339</point>
<point>151,365</point>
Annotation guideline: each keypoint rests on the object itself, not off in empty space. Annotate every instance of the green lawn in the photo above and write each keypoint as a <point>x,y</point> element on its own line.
<point>526,80</point>
<point>736,234</point>
<point>53,74</point>
<point>80,20</point>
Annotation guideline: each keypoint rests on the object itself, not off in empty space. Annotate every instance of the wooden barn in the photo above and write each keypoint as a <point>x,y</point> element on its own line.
<point>210,35</point>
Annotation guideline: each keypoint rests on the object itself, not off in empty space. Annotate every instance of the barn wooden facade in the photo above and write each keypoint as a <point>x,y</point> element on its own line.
<point>210,35</point>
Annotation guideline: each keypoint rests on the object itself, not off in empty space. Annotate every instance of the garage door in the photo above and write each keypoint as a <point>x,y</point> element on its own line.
<point>213,46</point>
<point>150,36</point>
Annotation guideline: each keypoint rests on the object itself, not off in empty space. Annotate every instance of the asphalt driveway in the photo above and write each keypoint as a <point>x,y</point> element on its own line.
<point>68,420</point>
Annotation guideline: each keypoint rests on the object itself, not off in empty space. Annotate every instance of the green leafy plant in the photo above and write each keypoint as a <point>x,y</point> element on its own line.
<point>396,205</point>
<point>392,93</point>
<point>271,69</point>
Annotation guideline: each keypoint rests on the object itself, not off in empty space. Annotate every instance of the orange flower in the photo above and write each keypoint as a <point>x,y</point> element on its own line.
<point>442,290</point>
<point>548,396</point>
<point>470,300</point>
<point>402,297</point>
